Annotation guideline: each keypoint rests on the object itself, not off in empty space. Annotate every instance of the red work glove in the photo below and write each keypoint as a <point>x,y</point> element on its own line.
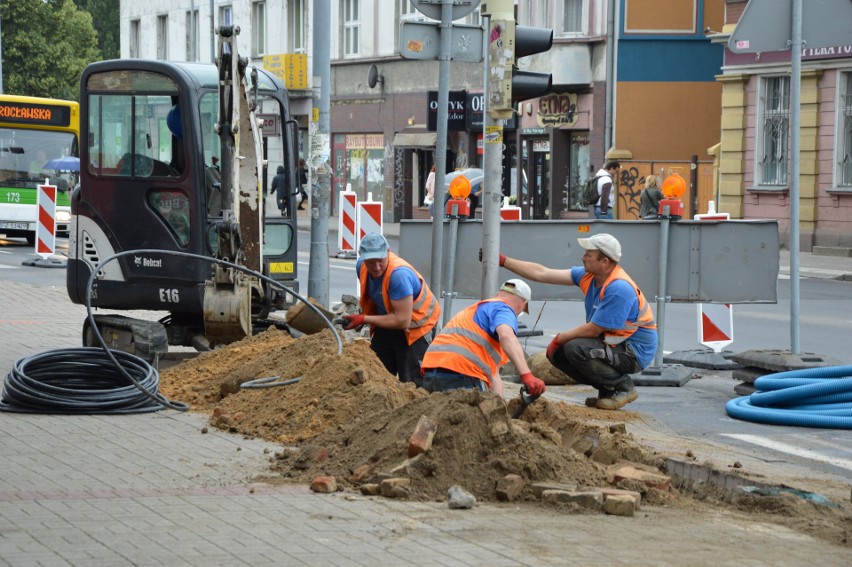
<point>502,259</point>
<point>534,385</point>
<point>553,347</point>
<point>355,321</point>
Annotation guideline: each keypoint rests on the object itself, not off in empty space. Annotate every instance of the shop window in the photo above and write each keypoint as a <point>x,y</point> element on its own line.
<point>844,144</point>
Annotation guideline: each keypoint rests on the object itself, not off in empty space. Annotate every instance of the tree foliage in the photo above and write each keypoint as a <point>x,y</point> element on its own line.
<point>105,18</point>
<point>46,46</point>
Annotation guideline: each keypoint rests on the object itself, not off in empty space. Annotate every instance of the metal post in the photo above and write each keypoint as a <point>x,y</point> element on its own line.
<point>441,143</point>
<point>492,184</point>
<point>661,288</point>
<point>795,115</point>
<point>320,154</point>
<point>449,294</point>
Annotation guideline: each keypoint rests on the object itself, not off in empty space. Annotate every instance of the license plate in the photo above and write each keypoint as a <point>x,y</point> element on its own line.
<point>13,225</point>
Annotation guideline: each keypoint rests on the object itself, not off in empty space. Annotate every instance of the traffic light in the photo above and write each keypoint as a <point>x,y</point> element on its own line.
<point>507,43</point>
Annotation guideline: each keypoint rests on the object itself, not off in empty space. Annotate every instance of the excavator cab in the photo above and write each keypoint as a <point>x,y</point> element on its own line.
<point>150,131</point>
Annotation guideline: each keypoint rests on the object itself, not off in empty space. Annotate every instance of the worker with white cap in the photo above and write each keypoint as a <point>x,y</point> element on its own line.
<point>477,341</point>
<point>619,336</point>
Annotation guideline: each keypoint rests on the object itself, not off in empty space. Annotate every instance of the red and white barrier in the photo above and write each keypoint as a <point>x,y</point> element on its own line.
<point>346,229</point>
<point>510,213</point>
<point>45,244</point>
<point>369,217</point>
<point>715,321</point>
<point>715,325</point>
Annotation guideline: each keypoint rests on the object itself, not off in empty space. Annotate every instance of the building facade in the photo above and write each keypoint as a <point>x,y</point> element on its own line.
<point>755,157</point>
<point>654,52</point>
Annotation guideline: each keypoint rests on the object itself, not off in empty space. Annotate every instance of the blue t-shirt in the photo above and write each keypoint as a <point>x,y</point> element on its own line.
<point>403,282</point>
<point>619,304</point>
<point>492,314</point>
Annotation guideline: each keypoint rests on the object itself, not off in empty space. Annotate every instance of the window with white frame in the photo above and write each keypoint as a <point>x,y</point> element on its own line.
<point>573,20</point>
<point>535,13</point>
<point>192,35</point>
<point>844,145</point>
<point>407,10</point>
<point>474,18</point>
<point>226,15</point>
<point>133,51</point>
<point>297,26</point>
<point>351,28</point>
<point>258,28</point>
<point>775,120</point>
<point>163,37</point>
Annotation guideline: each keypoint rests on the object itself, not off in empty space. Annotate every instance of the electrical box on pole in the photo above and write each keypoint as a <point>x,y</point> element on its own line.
<point>507,42</point>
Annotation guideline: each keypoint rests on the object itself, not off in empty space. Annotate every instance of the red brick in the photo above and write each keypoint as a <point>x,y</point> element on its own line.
<point>324,484</point>
<point>421,439</point>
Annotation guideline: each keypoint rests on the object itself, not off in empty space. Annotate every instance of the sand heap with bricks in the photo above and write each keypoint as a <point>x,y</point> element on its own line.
<point>349,418</point>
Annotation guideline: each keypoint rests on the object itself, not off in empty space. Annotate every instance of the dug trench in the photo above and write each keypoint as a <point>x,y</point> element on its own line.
<point>348,418</point>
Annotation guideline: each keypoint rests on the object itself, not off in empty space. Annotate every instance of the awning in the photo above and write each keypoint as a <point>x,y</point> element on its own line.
<point>423,140</point>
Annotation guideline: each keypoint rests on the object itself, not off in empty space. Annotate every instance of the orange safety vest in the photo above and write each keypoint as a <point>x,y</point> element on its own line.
<point>645,318</point>
<point>464,347</point>
<point>424,313</point>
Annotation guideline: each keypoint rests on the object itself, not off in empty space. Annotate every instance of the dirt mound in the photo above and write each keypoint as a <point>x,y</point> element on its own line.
<point>346,416</point>
<point>476,444</point>
<point>324,398</point>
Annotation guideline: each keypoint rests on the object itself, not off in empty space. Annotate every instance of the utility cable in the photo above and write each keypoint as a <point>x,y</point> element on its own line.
<point>91,380</point>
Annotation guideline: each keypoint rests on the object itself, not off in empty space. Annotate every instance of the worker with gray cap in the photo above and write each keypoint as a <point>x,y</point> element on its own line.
<point>619,336</point>
<point>397,304</point>
<point>477,341</point>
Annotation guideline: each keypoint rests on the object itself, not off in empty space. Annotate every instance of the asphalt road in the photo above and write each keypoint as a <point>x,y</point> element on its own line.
<point>690,417</point>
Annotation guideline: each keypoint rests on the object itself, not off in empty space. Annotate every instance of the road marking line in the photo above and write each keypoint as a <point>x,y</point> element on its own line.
<point>791,449</point>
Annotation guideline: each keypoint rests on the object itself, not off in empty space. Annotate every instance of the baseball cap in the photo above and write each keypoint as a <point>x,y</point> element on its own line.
<point>373,246</point>
<point>519,288</point>
<point>604,242</point>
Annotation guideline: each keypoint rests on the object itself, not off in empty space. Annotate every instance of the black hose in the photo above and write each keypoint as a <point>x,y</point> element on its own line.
<point>90,380</point>
<point>268,382</point>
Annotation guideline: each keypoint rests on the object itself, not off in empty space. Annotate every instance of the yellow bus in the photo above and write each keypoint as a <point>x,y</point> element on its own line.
<point>39,140</point>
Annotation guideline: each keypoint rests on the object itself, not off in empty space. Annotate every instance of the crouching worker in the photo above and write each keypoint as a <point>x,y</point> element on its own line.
<point>477,341</point>
<point>398,306</point>
<point>619,336</point>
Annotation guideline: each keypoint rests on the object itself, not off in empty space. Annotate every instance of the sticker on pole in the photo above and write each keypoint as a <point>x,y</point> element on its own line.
<point>715,325</point>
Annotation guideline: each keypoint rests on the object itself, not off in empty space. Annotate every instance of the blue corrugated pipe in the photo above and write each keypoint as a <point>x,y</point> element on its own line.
<point>813,397</point>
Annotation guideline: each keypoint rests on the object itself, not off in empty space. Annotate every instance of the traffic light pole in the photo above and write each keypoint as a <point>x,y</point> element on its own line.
<point>500,16</point>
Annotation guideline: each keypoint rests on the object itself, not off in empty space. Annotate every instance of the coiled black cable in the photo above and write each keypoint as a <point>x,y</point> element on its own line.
<point>82,381</point>
<point>90,380</point>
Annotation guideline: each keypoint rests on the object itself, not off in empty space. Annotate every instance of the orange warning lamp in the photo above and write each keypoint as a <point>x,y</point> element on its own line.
<point>459,190</point>
<point>673,188</point>
<point>460,187</point>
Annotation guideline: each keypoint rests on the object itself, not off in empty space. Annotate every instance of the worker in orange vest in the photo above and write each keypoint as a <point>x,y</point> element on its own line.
<point>477,341</point>
<point>397,304</point>
<point>619,336</point>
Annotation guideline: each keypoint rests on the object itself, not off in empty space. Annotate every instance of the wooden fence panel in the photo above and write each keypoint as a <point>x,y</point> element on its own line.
<point>631,182</point>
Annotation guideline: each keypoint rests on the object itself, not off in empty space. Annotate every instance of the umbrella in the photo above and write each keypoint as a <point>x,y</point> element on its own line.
<point>67,163</point>
<point>474,175</point>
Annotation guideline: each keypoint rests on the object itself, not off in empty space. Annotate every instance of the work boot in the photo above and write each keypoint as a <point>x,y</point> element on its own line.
<point>593,402</point>
<point>619,399</point>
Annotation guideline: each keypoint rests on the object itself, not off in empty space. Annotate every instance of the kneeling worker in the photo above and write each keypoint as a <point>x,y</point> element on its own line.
<point>398,306</point>
<point>619,336</point>
<point>477,341</point>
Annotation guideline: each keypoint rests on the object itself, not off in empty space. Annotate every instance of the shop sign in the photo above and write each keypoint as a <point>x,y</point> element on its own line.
<point>455,111</point>
<point>557,109</point>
